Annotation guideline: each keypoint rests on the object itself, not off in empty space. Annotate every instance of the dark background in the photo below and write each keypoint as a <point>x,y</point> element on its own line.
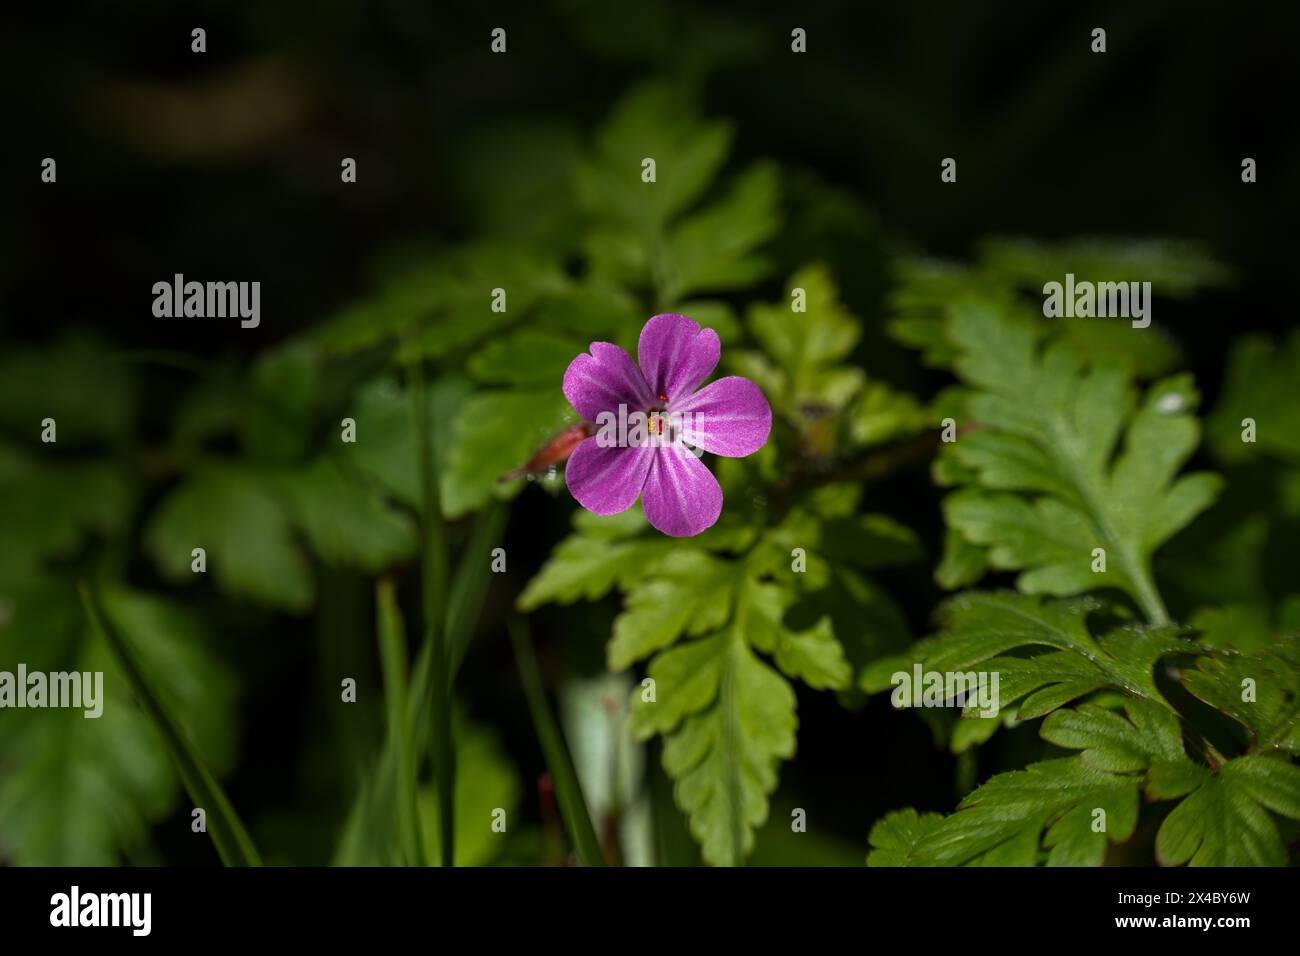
<point>226,165</point>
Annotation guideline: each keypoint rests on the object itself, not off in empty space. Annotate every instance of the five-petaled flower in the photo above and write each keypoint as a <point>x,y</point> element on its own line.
<point>728,417</point>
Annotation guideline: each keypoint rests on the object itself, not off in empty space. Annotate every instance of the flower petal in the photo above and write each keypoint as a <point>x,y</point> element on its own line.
<point>607,481</point>
<point>681,496</point>
<point>603,380</point>
<point>676,355</point>
<point>729,417</point>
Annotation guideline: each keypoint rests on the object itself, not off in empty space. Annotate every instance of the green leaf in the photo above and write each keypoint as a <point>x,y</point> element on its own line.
<point>729,720</point>
<point>224,826</point>
<point>588,564</point>
<point>1050,485</point>
<point>1150,735</point>
<point>344,521</point>
<point>898,835</point>
<point>688,592</point>
<point>1055,802</point>
<point>1237,627</point>
<point>808,348</point>
<point>722,742</point>
<point>963,563</point>
<point>811,655</point>
<point>1259,385</point>
<point>440,305</point>
<point>651,235</point>
<point>981,625</point>
<point>656,121</point>
<point>1177,268</point>
<point>277,411</point>
<point>880,415</point>
<point>81,791</point>
<point>1225,821</point>
<point>726,715</point>
<point>1003,822</point>
<point>485,778</point>
<point>982,628</point>
<point>49,508</point>
<point>492,434</point>
<point>1011,273</point>
<point>385,448</point>
<point>527,357</point>
<point>231,512</point>
<point>247,519</point>
<point>713,250</point>
<point>1260,691</point>
<point>591,309</point>
<point>36,384</point>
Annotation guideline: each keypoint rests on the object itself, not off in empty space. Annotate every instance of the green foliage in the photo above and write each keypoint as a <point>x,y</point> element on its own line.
<point>1224,821</point>
<point>657,236</point>
<point>80,790</point>
<point>982,629</point>
<point>248,519</point>
<point>1061,460</point>
<point>1271,716</point>
<point>227,831</point>
<point>1005,269</point>
<point>803,369</point>
<point>1259,384</point>
<point>33,387</point>
<point>485,777</point>
<point>1057,454</point>
<point>1165,688</point>
<point>728,620</point>
<point>1062,812</point>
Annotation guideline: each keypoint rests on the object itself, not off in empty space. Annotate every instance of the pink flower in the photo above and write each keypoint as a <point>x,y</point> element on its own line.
<point>729,417</point>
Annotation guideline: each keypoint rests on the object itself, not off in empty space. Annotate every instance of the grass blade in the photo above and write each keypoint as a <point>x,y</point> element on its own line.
<point>369,816</point>
<point>392,655</point>
<point>433,547</point>
<point>224,826</point>
<point>568,793</point>
<point>470,585</point>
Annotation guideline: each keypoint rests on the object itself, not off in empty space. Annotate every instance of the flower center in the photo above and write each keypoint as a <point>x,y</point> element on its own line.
<point>658,418</point>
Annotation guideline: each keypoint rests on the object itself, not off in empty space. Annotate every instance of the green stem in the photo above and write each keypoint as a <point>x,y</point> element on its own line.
<point>434,580</point>
<point>568,792</point>
<point>1148,595</point>
<point>372,806</point>
<point>392,655</point>
<point>471,581</point>
<point>225,828</point>
<point>1138,570</point>
<point>732,742</point>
